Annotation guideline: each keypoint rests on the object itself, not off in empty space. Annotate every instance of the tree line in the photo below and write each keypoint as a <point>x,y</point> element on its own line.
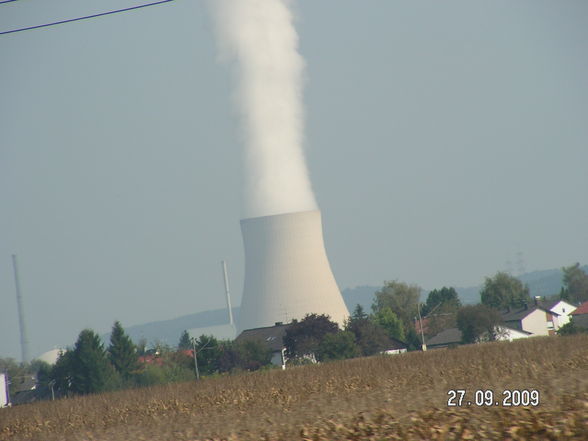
<point>90,367</point>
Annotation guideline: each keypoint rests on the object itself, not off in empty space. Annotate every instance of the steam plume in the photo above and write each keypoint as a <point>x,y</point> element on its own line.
<point>259,37</point>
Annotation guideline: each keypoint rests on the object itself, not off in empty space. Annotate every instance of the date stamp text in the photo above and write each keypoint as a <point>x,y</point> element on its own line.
<point>487,397</point>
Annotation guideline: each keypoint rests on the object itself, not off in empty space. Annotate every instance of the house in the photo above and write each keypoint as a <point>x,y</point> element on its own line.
<point>581,310</point>
<point>453,336</point>
<point>395,347</point>
<point>580,315</point>
<point>505,333</point>
<point>562,308</point>
<point>446,338</point>
<point>4,396</point>
<point>533,319</point>
<point>272,337</point>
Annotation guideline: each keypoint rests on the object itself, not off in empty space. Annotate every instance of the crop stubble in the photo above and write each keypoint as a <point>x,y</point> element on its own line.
<point>401,397</point>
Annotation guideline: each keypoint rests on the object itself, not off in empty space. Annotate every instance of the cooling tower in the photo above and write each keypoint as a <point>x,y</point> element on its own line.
<point>287,273</point>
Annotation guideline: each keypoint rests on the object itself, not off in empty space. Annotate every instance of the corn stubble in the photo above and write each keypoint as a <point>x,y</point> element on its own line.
<point>402,397</point>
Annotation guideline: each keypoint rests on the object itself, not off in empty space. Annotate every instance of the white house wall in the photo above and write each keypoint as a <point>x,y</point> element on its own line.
<point>536,323</point>
<point>3,391</point>
<point>564,309</point>
<point>510,334</point>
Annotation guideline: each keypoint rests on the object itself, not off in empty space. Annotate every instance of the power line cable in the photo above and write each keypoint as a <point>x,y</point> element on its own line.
<point>6,1</point>
<point>83,18</point>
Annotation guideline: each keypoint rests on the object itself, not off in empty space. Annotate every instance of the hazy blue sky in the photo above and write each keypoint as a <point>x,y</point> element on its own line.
<point>442,138</point>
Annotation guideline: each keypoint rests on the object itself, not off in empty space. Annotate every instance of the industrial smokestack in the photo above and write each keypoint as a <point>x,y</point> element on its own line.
<point>24,343</point>
<point>227,293</point>
<point>287,273</point>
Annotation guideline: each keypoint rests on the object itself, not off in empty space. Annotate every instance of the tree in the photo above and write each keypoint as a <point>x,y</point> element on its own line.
<point>503,290</point>
<point>142,346</point>
<point>439,322</point>
<point>122,352</point>
<point>338,346</point>
<point>413,340</point>
<point>247,355</point>
<point>185,342</point>
<point>369,336</point>
<point>62,372</point>
<point>303,337</point>
<point>358,312</point>
<point>208,352</point>
<point>478,322</point>
<point>441,301</point>
<point>400,298</point>
<point>575,282</point>
<point>90,369</point>
<point>570,328</point>
<point>389,321</point>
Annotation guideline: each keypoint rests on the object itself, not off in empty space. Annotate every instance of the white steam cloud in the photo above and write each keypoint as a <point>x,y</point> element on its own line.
<point>259,36</point>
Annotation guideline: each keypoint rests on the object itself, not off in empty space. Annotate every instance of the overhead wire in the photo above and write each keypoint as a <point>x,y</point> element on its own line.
<point>6,1</point>
<point>82,18</point>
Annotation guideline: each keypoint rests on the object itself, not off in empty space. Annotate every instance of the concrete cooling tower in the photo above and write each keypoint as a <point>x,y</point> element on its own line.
<point>287,273</point>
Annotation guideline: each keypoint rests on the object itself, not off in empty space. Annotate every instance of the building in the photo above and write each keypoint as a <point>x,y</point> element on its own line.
<point>51,357</point>
<point>287,272</point>
<point>395,347</point>
<point>533,319</point>
<point>453,337</point>
<point>580,315</point>
<point>446,338</point>
<point>4,397</point>
<point>271,337</point>
<point>581,310</point>
<point>562,308</point>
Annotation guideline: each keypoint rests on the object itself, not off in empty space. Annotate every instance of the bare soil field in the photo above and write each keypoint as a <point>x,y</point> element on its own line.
<point>400,397</point>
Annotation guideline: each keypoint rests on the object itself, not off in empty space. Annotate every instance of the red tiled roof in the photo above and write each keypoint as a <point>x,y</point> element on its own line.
<point>582,309</point>
<point>151,359</point>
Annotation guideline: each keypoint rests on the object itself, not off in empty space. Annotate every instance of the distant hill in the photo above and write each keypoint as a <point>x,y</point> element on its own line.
<point>541,283</point>
<point>169,331</point>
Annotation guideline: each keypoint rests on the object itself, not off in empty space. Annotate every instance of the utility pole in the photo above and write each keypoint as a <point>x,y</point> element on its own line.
<point>195,358</point>
<point>423,346</point>
<point>196,355</point>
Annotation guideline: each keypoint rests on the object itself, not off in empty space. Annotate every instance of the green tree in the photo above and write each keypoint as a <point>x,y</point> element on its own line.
<point>441,301</point>
<point>122,352</point>
<point>17,372</point>
<point>569,329</point>
<point>369,336</point>
<point>400,298</point>
<point>185,342</point>
<point>386,319</point>
<point>503,290</point>
<point>208,351</point>
<point>338,346</point>
<point>303,337</point>
<point>358,312</point>
<point>62,372</point>
<point>90,369</point>
<point>44,371</point>
<point>169,372</point>
<point>478,322</point>
<point>413,340</point>
<point>575,282</point>
<point>249,355</point>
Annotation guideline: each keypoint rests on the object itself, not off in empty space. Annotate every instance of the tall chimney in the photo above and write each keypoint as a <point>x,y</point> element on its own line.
<point>24,343</point>
<point>227,293</point>
<point>287,273</point>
